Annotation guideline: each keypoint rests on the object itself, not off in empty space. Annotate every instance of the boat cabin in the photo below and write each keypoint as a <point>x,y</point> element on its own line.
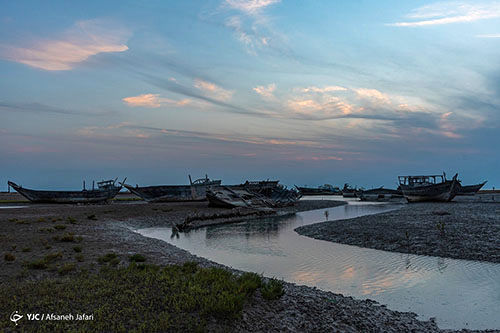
<point>106,184</point>
<point>421,180</point>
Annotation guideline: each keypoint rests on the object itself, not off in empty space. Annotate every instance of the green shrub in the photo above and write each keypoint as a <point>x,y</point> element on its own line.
<point>59,227</point>
<point>9,257</point>
<point>66,268</point>
<point>107,257</point>
<point>26,249</point>
<point>137,258</point>
<point>92,217</point>
<point>77,249</point>
<point>272,289</point>
<point>38,264</point>
<point>79,257</point>
<point>67,237</point>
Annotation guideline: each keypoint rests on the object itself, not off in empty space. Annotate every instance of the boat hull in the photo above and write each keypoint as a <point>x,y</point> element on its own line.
<point>469,189</point>
<point>91,196</point>
<point>316,191</point>
<point>436,192</point>
<point>171,193</point>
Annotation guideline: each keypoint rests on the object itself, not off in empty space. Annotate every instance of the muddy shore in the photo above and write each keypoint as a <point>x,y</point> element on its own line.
<point>33,232</point>
<point>459,230</point>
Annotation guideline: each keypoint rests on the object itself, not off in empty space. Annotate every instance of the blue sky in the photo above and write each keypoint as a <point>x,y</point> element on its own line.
<point>306,92</point>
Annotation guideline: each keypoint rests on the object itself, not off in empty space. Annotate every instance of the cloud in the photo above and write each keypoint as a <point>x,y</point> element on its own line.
<point>489,36</point>
<point>324,89</point>
<point>373,95</point>
<point>76,45</point>
<point>266,91</point>
<point>250,6</point>
<point>42,108</point>
<point>213,90</point>
<point>450,12</point>
<point>152,101</point>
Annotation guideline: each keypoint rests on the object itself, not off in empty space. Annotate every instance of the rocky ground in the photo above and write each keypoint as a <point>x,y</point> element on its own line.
<point>30,233</point>
<point>460,230</point>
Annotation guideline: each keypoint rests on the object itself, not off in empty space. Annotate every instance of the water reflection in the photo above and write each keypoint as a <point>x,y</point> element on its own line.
<point>459,293</point>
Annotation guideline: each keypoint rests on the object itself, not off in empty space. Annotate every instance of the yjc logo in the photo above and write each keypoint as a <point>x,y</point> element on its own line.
<point>15,316</point>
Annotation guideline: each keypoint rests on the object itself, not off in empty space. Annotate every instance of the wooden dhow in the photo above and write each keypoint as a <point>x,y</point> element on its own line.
<point>106,190</point>
<point>428,188</point>
<point>196,191</point>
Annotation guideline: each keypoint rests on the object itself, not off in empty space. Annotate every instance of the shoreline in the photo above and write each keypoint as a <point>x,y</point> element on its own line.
<point>457,230</point>
<point>104,229</point>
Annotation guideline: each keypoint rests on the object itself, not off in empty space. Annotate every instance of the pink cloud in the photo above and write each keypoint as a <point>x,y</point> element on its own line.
<point>76,45</point>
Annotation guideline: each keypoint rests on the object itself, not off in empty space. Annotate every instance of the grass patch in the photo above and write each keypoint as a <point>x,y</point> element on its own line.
<point>272,290</point>
<point>92,217</point>
<point>71,220</point>
<point>60,227</point>
<point>77,249</point>
<point>41,219</point>
<point>9,257</point>
<point>44,230</point>
<point>66,268</point>
<point>137,258</point>
<point>107,258</point>
<point>79,257</point>
<point>26,249</point>
<point>67,237</point>
<point>139,297</point>
<point>45,261</point>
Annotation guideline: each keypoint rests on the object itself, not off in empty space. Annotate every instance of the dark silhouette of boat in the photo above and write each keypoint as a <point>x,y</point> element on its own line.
<point>380,194</point>
<point>428,188</point>
<point>326,189</point>
<point>196,191</point>
<point>349,192</point>
<point>106,190</point>
<point>252,194</point>
<point>469,189</point>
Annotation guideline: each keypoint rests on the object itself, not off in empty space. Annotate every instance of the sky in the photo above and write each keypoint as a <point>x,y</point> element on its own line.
<point>307,92</point>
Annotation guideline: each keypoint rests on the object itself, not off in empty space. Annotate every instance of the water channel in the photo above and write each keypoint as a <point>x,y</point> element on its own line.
<point>458,293</point>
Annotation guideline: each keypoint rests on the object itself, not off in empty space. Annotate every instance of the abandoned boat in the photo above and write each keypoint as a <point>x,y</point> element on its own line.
<point>196,191</point>
<point>349,192</point>
<point>231,197</point>
<point>106,190</point>
<point>254,194</point>
<point>380,194</point>
<point>469,189</point>
<point>326,189</point>
<point>428,188</point>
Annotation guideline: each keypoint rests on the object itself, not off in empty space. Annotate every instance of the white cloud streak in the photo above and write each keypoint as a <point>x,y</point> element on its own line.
<point>450,12</point>
<point>83,40</point>
<point>153,101</point>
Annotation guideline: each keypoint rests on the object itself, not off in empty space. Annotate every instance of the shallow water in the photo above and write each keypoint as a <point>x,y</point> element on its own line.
<point>7,207</point>
<point>459,293</point>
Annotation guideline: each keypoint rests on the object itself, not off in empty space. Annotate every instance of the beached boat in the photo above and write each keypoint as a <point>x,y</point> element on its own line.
<point>349,192</point>
<point>106,190</point>
<point>196,191</point>
<point>469,189</point>
<point>255,194</point>
<point>231,197</point>
<point>326,189</point>
<point>428,188</point>
<point>380,194</point>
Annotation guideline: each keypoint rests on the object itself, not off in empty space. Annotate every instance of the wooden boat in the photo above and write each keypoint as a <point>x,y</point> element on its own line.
<point>326,189</point>
<point>106,190</point>
<point>469,189</point>
<point>428,188</point>
<point>252,194</point>
<point>380,194</point>
<point>349,192</point>
<point>196,191</point>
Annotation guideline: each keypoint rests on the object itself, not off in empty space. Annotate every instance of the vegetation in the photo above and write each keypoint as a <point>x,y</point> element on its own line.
<point>107,257</point>
<point>45,261</point>
<point>67,237</point>
<point>139,297</point>
<point>59,227</point>
<point>272,290</point>
<point>77,249</point>
<point>26,249</point>
<point>137,258</point>
<point>92,217</point>
<point>66,268</point>
<point>9,257</point>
